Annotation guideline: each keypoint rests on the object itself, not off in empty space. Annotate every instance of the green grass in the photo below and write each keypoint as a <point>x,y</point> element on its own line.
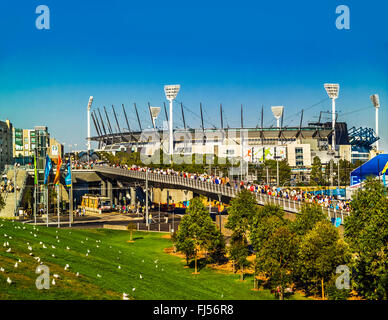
<point>165,279</point>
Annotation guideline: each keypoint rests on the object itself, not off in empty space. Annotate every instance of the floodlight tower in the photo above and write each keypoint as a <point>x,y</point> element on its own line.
<point>376,102</point>
<point>277,112</point>
<point>154,114</point>
<point>171,92</point>
<point>332,90</point>
<point>89,107</point>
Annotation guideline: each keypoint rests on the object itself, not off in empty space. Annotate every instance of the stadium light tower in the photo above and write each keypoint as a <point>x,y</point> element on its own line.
<point>89,107</point>
<point>332,90</point>
<point>277,112</point>
<point>154,114</point>
<point>376,102</point>
<point>171,92</point>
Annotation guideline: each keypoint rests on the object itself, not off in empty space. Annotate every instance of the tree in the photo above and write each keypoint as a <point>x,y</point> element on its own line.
<point>195,231</point>
<point>366,230</point>
<point>239,252</point>
<point>320,252</point>
<point>241,212</point>
<point>216,247</point>
<point>309,215</point>
<point>316,174</point>
<point>277,258</point>
<point>264,222</point>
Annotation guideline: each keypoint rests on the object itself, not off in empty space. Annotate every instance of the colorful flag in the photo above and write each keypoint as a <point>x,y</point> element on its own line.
<point>58,173</point>
<point>35,171</point>
<point>68,176</point>
<point>47,169</point>
<point>385,168</point>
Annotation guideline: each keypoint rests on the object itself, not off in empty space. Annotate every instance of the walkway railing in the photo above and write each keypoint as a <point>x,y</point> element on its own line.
<point>204,187</point>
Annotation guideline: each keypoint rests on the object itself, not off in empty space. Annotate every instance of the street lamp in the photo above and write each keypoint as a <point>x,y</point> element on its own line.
<point>376,102</point>
<point>171,91</point>
<point>332,90</point>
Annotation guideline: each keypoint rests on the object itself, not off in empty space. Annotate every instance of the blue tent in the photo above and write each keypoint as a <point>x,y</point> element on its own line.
<point>373,167</point>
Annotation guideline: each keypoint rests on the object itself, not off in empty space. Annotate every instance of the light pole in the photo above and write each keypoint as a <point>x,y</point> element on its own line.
<point>277,112</point>
<point>332,90</point>
<point>154,114</point>
<point>88,114</point>
<point>376,102</point>
<point>171,92</point>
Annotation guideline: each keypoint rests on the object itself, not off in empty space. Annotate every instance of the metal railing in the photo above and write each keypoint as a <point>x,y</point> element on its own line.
<point>212,188</point>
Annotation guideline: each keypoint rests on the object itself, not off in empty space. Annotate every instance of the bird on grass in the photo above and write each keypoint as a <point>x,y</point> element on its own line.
<point>133,289</point>
<point>141,277</point>
<point>77,274</point>
<point>125,296</point>
<point>53,282</point>
<point>16,265</point>
<point>99,276</point>
<point>9,281</point>
<point>2,269</point>
<point>66,266</point>
<point>9,250</point>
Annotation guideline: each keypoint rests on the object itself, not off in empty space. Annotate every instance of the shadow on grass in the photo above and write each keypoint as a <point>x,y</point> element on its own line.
<point>201,263</point>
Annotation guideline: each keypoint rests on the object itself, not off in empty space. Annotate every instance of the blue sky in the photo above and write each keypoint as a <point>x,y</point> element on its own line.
<point>242,52</point>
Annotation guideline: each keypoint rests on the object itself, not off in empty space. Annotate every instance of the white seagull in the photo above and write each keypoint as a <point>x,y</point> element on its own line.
<point>125,296</point>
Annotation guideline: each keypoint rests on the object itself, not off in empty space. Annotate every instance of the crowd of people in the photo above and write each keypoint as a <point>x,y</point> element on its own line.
<point>285,193</point>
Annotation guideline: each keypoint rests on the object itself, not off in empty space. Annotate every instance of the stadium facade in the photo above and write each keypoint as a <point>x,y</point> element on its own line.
<point>298,145</point>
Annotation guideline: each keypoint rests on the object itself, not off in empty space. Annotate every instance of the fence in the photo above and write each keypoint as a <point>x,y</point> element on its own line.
<point>215,189</point>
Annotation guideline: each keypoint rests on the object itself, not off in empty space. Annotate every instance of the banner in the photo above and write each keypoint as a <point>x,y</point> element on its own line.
<point>68,175</point>
<point>58,173</point>
<point>47,169</point>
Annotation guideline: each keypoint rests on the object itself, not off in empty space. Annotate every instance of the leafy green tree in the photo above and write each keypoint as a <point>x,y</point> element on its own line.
<point>265,224</point>
<point>366,231</point>
<point>239,253</point>
<point>316,174</point>
<point>195,231</point>
<point>277,257</point>
<point>241,212</point>
<point>320,252</point>
<point>217,247</point>
<point>309,215</point>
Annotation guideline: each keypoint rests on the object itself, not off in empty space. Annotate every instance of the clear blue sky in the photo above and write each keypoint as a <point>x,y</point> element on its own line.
<point>239,52</point>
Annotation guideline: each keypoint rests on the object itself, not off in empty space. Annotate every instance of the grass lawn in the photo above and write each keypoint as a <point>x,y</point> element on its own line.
<point>163,275</point>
